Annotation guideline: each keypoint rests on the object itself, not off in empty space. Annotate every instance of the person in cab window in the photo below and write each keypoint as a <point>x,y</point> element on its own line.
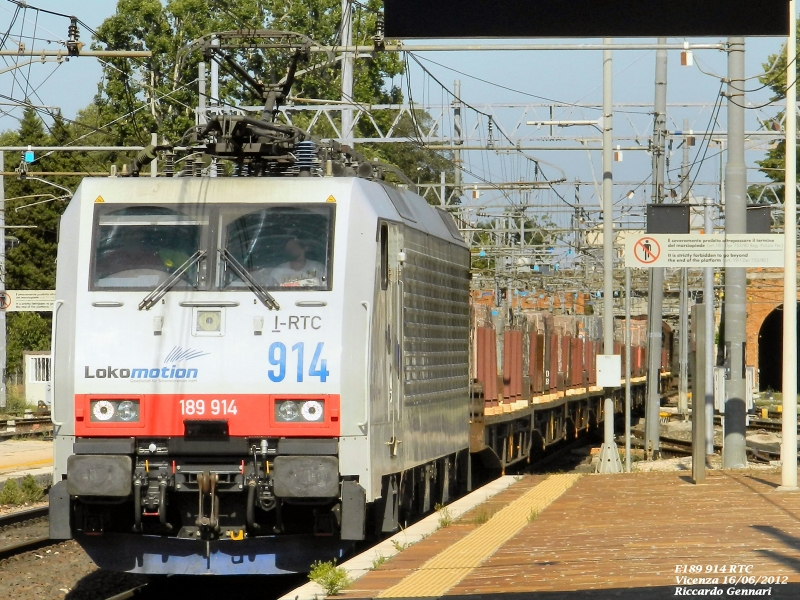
<point>298,271</point>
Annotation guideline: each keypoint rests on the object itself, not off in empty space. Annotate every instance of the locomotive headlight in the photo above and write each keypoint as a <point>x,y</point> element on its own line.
<point>311,410</point>
<point>115,411</point>
<point>128,410</point>
<point>209,320</point>
<point>103,410</point>
<point>288,411</point>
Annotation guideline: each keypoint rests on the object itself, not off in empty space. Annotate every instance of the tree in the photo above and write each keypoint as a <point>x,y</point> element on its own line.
<point>158,94</point>
<point>774,78</point>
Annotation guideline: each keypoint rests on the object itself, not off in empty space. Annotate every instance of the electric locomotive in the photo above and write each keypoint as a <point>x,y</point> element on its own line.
<point>255,372</point>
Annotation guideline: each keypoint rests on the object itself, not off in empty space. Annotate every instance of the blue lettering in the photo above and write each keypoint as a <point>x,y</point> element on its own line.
<point>154,373</point>
<point>139,374</point>
<point>180,373</point>
<point>190,373</point>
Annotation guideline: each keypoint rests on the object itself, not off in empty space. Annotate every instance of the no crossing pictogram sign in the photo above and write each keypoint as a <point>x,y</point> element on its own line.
<point>647,250</point>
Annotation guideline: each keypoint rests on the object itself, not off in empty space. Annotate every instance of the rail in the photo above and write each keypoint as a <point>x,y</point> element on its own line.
<point>18,521</point>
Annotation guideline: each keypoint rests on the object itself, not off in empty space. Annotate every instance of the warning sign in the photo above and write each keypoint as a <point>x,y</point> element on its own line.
<point>27,300</point>
<point>647,250</point>
<point>694,250</point>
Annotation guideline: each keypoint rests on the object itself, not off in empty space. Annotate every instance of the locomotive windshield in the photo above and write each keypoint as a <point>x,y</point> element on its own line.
<point>282,247</point>
<point>138,247</point>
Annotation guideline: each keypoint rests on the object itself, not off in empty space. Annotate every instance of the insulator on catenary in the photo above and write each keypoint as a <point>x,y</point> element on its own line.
<point>305,153</point>
<point>169,164</point>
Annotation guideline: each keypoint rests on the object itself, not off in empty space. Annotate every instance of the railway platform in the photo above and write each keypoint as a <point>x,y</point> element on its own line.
<point>638,535</point>
<point>23,456</point>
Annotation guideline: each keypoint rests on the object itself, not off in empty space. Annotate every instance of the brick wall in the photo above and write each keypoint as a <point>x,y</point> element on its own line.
<point>764,294</point>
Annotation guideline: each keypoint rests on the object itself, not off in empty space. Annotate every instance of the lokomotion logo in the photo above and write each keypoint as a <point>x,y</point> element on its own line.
<point>173,370</point>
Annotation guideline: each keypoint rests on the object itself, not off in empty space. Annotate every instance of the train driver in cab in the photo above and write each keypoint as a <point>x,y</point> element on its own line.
<point>298,271</point>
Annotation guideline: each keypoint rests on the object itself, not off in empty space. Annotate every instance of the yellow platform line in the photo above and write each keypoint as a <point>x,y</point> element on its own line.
<point>33,463</point>
<point>453,564</point>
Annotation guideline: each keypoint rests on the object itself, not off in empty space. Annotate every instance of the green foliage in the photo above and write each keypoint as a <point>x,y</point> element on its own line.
<point>774,77</point>
<point>11,494</point>
<point>378,560</point>
<point>15,401</point>
<point>331,578</point>
<point>533,515</point>
<point>33,491</point>
<point>400,546</point>
<point>25,331</point>
<point>445,516</point>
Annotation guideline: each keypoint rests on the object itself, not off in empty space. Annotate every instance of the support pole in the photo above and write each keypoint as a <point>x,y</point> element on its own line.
<point>653,402</point>
<point>627,370</point>
<point>609,455</point>
<point>154,162</point>
<point>3,282</point>
<point>789,383</point>
<point>214,100</point>
<point>683,345</point>
<point>347,74</point>
<point>202,117</point>
<point>734,454</point>
<point>708,304</point>
<point>683,334</point>
<point>458,140</point>
<point>698,413</point>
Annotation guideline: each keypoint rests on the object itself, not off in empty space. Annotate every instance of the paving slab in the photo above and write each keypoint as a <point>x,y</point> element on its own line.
<point>638,535</point>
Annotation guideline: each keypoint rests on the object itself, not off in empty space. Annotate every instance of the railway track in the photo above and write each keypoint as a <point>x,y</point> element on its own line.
<point>24,531</point>
<point>35,427</point>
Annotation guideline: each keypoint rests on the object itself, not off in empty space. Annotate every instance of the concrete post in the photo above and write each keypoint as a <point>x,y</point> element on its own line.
<point>708,304</point>
<point>609,456</point>
<point>734,454</point>
<point>789,383</point>
<point>698,401</point>
<point>653,402</point>
<point>627,370</point>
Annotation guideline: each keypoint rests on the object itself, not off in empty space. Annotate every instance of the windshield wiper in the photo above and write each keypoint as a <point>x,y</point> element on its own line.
<point>153,297</point>
<point>243,274</point>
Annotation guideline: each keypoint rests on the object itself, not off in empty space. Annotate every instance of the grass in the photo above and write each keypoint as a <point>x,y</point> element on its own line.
<point>482,516</point>
<point>534,514</point>
<point>445,516</point>
<point>329,577</point>
<point>16,405</point>
<point>378,560</point>
<point>400,546</point>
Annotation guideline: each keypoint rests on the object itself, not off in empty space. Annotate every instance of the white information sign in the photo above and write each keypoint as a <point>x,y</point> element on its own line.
<point>653,250</point>
<point>609,370</point>
<point>27,300</point>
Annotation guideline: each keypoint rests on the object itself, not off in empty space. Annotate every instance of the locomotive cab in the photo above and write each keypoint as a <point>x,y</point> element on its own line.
<point>241,369</point>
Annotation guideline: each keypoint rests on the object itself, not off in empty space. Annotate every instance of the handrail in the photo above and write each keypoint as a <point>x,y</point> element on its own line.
<point>56,305</point>
<point>367,352</point>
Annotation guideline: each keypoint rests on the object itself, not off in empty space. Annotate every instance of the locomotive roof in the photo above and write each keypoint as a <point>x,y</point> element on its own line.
<point>411,208</point>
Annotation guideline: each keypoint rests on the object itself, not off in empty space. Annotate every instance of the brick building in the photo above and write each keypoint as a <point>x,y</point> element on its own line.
<point>764,325</point>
